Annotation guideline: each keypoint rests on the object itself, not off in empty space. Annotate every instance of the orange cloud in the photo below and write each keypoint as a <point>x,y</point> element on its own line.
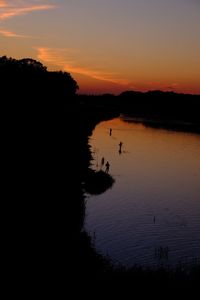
<point>12,8</point>
<point>58,57</point>
<point>94,74</point>
<point>9,12</point>
<point>10,34</point>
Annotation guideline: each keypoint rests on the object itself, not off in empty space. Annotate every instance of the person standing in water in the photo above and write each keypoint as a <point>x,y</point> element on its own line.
<point>120,147</point>
<point>110,131</point>
<point>107,167</point>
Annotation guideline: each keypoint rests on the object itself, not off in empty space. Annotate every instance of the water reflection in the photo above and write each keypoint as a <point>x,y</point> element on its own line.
<point>152,213</point>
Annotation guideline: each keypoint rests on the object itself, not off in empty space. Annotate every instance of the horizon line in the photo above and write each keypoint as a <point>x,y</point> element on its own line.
<point>135,91</point>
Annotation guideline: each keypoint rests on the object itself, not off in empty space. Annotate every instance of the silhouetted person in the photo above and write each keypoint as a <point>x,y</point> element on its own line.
<point>120,147</point>
<point>107,167</point>
<point>102,161</point>
<point>154,219</point>
<point>110,131</point>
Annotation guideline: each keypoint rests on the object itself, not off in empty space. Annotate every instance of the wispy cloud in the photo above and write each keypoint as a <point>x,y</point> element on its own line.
<point>13,8</point>
<point>10,9</point>
<point>62,58</point>
<point>11,34</point>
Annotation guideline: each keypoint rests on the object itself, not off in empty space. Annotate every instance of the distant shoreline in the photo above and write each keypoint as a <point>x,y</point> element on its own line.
<point>166,124</point>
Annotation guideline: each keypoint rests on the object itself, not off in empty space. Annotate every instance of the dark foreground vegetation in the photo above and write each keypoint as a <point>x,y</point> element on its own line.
<point>46,128</point>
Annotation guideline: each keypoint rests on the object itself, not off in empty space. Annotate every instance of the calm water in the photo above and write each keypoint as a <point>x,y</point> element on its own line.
<point>151,215</point>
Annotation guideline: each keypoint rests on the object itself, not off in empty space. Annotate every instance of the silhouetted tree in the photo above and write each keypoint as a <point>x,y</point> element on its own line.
<point>30,78</point>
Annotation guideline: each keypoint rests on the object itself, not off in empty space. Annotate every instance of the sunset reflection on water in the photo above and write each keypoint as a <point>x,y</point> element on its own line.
<point>154,204</point>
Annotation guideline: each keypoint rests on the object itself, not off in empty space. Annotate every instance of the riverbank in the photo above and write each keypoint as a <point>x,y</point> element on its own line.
<point>168,124</point>
<point>90,263</point>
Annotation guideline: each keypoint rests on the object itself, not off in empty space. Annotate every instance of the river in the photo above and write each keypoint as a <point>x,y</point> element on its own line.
<point>151,215</point>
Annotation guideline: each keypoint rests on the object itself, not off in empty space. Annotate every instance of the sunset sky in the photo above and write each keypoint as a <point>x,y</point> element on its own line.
<point>108,45</point>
